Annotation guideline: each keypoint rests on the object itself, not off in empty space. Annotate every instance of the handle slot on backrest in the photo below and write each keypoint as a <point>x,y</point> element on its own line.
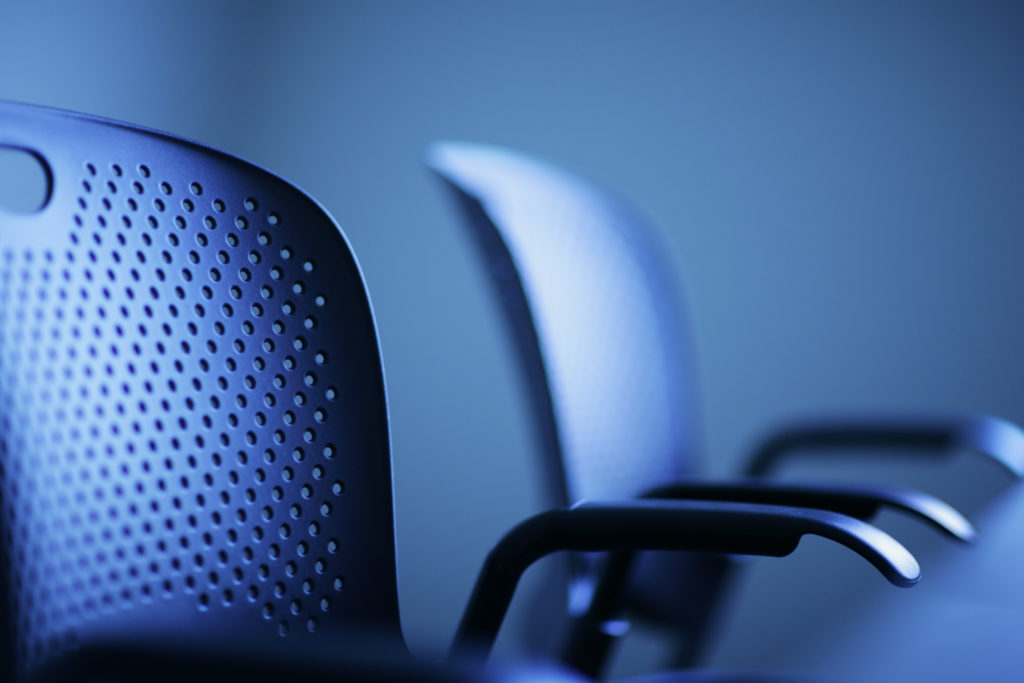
<point>26,180</point>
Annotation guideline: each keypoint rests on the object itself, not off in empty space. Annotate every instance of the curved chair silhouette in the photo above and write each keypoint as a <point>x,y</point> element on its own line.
<point>593,310</point>
<point>194,431</point>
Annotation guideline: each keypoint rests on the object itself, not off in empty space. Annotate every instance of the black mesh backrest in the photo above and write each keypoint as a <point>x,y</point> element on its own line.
<point>193,427</point>
<point>592,303</point>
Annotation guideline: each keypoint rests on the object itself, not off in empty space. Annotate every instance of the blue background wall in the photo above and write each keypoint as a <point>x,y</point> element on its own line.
<point>839,184</point>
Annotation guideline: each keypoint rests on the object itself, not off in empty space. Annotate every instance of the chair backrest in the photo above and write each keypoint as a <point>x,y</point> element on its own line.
<point>193,424</point>
<point>591,300</point>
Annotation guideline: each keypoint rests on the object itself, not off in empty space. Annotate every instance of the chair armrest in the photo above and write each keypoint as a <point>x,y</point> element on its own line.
<point>996,438</point>
<point>589,641</point>
<point>731,528</point>
<point>862,502</point>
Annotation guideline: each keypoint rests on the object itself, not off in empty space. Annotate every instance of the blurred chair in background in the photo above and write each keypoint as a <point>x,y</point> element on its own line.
<point>194,459</point>
<point>593,308</point>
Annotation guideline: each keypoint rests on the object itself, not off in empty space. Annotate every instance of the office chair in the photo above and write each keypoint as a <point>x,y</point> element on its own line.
<point>194,458</point>
<point>592,308</point>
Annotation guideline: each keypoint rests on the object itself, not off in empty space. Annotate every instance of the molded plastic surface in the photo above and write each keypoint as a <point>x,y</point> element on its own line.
<point>193,426</point>
<point>600,307</point>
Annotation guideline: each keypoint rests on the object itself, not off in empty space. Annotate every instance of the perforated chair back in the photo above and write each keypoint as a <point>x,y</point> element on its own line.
<point>193,425</point>
<point>590,300</point>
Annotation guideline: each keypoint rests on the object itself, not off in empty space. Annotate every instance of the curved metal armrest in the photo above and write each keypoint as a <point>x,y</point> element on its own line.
<point>862,502</point>
<point>588,645</point>
<point>351,656</point>
<point>732,528</point>
<point>999,439</point>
